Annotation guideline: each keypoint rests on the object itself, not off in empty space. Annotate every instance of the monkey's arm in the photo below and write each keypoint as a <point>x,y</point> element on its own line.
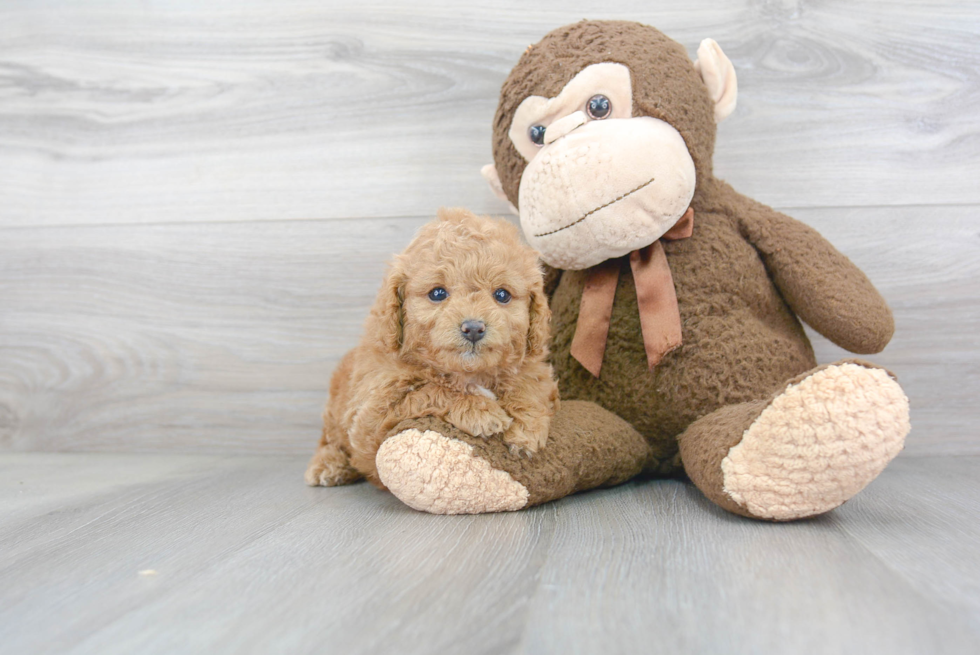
<point>821,285</point>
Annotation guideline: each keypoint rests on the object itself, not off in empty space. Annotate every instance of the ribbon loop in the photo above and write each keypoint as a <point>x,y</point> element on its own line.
<point>660,319</point>
<point>594,314</point>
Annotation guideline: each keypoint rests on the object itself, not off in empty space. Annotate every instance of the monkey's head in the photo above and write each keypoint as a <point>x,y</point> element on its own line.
<point>603,132</point>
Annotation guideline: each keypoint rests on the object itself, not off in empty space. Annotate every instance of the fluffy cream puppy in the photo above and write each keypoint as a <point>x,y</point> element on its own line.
<point>459,331</point>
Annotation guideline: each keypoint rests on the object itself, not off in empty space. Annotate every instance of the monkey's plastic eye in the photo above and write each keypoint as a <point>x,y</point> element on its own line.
<point>502,296</point>
<point>598,107</point>
<point>438,294</point>
<point>536,134</point>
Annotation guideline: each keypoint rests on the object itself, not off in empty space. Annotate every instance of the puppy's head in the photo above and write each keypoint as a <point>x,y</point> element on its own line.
<point>466,296</point>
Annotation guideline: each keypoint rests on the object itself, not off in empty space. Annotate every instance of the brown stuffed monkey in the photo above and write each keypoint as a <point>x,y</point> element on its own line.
<point>676,302</point>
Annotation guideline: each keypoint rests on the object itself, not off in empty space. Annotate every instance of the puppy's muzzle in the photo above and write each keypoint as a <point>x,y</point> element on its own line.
<point>473,331</point>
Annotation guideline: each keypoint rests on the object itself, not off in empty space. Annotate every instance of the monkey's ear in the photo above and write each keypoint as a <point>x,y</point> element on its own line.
<point>489,173</point>
<point>719,76</point>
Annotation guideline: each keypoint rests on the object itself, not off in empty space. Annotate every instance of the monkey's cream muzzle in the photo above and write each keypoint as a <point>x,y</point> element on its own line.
<point>601,189</point>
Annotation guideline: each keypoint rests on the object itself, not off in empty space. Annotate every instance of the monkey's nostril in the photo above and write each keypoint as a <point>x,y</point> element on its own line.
<point>473,331</point>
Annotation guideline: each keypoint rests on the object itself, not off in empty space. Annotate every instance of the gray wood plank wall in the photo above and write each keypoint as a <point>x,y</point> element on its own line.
<point>197,199</point>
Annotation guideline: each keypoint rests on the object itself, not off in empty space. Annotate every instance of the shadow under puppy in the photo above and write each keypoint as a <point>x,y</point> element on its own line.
<point>459,331</point>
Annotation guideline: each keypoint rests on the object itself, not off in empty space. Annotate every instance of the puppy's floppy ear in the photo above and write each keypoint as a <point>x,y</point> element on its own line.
<point>539,331</point>
<point>386,320</point>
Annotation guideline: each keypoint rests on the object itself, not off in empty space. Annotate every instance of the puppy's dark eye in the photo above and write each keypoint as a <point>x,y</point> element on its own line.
<point>598,107</point>
<point>502,296</point>
<point>438,294</point>
<point>536,134</point>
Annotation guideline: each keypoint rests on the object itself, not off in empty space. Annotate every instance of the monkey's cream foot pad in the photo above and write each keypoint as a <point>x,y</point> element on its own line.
<point>433,473</point>
<point>818,443</point>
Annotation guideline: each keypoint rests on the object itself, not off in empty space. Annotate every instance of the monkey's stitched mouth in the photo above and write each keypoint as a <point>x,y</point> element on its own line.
<point>600,207</point>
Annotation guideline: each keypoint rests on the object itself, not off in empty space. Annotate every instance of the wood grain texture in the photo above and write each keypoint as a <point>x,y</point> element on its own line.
<point>936,552</point>
<point>198,337</point>
<point>249,560</point>
<point>222,337</point>
<point>230,111</point>
<point>157,295</point>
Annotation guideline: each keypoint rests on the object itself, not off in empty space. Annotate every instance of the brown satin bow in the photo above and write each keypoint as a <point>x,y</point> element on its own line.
<point>660,320</point>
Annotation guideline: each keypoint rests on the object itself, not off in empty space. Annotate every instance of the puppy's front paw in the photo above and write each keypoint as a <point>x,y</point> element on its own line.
<point>480,417</point>
<point>521,440</point>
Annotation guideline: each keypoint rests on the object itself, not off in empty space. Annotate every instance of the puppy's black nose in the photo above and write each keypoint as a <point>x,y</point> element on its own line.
<point>473,330</point>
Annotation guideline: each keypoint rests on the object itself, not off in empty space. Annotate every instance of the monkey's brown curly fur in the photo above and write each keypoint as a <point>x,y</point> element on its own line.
<point>413,360</point>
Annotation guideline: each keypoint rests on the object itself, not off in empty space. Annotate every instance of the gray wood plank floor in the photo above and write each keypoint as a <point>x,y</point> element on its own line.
<point>250,560</point>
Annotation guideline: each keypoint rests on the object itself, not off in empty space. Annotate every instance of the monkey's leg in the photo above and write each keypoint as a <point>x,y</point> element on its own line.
<point>433,467</point>
<point>804,451</point>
